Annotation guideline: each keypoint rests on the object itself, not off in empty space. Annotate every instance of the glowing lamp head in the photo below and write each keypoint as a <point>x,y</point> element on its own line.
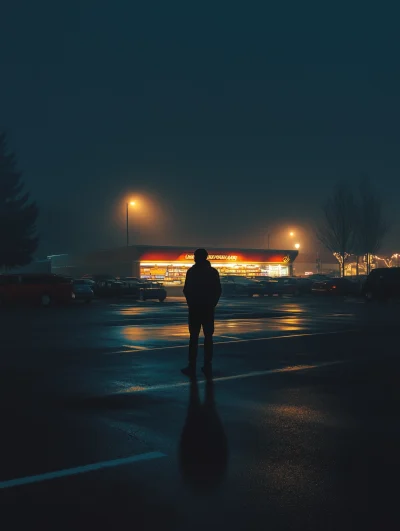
<point>297,246</point>
<point>132,203</point>
<point>291,233</point>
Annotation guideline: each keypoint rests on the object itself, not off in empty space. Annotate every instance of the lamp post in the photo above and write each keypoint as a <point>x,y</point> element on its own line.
<point>131,203</point>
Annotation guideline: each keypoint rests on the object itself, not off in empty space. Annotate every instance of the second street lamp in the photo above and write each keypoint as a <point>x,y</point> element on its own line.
<point>130,203</point>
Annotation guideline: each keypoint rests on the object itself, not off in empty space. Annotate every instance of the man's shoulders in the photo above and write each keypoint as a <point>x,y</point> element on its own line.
<point>215,271</point>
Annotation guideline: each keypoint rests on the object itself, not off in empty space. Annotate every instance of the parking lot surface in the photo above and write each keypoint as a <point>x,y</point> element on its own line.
<point>299,428</point>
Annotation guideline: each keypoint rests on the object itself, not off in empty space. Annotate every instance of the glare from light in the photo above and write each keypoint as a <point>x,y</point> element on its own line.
<point>297,245</point>
<point>132,203</point>
<point>291,234</point>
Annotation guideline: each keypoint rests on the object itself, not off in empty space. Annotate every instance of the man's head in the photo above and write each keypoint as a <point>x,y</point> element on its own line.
<point>200,255</point>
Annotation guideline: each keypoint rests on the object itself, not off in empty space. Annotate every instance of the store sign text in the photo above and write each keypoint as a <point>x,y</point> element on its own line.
<point>229,257</point>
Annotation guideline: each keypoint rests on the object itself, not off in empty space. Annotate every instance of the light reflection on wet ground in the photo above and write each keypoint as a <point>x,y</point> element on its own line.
<point>156,336</point>
<point>137,326</point>
<point>151,325</point>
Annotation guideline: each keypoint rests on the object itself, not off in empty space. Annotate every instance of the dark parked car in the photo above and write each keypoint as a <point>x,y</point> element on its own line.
<point>152,290</point>
<point>131,286</point>
<point>277,286</point>
<point>335,286</point>
<point>44,289</point>
<point>360,281</point>
<point>106,285</point>
<point>83,290</point>
<point>236,285</point>
<point>382,284</point>
<point>130,281</point>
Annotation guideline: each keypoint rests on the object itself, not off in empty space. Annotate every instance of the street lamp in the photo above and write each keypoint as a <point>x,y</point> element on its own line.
<point>297,246</point>
<point>291,234</point>
<point>130,203</point>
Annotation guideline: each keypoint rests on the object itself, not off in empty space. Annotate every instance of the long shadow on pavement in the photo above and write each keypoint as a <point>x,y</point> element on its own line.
<point>203,450</point>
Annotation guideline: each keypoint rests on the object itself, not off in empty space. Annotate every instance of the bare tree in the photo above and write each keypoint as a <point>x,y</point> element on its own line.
<point>337,229</point>
<point>371,225</point>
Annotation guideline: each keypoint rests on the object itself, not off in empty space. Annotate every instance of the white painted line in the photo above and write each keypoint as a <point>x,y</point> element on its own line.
<point>186,383</point>
<point>79,470</point>
<point>230,337</point>
<point>134,347</point>
<point>311,334</point>
<point>130,351</point>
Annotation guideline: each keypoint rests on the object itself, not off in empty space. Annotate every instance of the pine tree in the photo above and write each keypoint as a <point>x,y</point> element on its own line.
<point>18,214</point>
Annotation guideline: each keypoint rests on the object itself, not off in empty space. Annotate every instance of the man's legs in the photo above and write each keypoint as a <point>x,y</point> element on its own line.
<point>208,329</point>
<point>198,317</point>
<point>194,331</point>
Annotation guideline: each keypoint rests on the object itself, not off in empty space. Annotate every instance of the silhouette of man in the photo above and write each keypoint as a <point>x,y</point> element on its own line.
<point>202,291</point>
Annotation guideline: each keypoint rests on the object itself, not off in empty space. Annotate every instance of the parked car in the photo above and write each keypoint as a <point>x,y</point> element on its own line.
<point>83,290</point>
<point>152,290</point>
<point>261,278</point>
<point>131,286</point>
<point>335,286</point>
<point>382,284</point>
<point>236,284</point>
<point>44,289</point>
<point>305,284</point>
<point>276,286</point>
<point>130,280</point>
<point>360,281</point>
<point>91,283</point>
<point>106,286</point>
<point>318,277</point>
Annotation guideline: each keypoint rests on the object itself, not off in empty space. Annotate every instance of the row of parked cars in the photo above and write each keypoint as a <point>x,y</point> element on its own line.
<point>379,284</point>
<point>271,286</point>
<point>132,287</point>
<point>46,289</point>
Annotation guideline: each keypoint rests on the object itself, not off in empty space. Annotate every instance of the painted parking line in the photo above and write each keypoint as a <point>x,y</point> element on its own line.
<point>79,470</point>
<point>253,374</point>
<point>134,347</point>
<point>286,336</point>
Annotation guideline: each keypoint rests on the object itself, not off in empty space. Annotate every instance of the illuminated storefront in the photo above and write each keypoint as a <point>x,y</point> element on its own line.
<point>169,264</point>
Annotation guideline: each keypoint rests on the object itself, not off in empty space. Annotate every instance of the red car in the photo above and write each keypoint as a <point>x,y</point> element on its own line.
<point>43,289</point>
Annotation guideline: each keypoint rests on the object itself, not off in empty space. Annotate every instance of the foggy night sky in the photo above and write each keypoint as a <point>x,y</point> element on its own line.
<point>231,117</point>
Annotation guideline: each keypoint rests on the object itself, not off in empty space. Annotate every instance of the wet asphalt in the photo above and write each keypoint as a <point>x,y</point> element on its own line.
<point>299,428</point>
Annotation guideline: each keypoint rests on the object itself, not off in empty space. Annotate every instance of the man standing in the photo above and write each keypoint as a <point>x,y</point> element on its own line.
<point>202,291</point>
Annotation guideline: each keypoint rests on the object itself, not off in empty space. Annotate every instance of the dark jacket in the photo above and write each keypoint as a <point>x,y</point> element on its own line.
<point>202,285</point>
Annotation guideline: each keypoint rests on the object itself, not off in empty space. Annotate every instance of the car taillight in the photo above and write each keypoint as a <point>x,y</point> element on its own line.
<point>333,287</point>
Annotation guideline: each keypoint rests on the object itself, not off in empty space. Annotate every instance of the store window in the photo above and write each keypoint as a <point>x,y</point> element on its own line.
<point>175,272</point>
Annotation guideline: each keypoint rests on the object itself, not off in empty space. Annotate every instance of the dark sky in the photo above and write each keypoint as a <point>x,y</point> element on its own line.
<point>229,117</point>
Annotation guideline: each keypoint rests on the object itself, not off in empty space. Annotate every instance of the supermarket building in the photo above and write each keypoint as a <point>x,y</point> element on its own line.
<point>169,264</point>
